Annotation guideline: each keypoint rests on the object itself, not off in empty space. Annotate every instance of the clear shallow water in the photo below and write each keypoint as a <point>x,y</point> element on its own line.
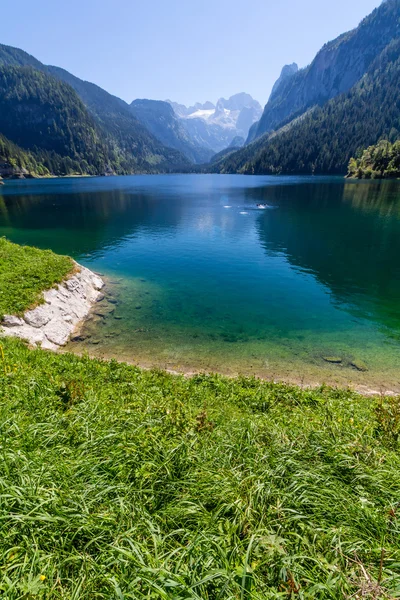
<point>199,278</point>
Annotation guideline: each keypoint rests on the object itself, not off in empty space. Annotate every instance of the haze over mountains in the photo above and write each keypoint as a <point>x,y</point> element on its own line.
<point>316,118</point>
<point>199,131</point>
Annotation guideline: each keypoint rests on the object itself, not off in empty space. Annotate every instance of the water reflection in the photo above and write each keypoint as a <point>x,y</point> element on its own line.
<point>217,280</point>
<point>347,236</point>
<point>84,223</point>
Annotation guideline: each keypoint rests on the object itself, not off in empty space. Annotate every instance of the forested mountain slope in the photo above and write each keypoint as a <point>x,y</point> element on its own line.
<point>324,139</point>
<point>78,122</point>
<point>14,161</point>
<point>338,66</point>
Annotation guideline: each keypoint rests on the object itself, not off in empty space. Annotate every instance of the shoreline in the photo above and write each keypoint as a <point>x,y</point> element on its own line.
<point>53,325</point>
<point>59,321</point>
<point>50,325</point>
<point>188,372</point>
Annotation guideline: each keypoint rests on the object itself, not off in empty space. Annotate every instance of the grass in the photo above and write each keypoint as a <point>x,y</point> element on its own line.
<point>119,483</point>
<point>25,273</point>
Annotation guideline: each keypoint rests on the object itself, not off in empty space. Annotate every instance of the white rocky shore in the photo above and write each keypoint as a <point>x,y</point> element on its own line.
<point>65,307</point>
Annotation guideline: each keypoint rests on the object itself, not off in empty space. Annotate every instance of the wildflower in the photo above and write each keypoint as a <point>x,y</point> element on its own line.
<point>42,577</point>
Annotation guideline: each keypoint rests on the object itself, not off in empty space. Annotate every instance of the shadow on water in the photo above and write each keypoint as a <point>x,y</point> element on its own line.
<point>84,223</point>
<point>347,236</point>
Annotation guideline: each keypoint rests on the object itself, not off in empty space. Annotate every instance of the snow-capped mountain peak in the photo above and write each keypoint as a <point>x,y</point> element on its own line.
<point>217,125</point>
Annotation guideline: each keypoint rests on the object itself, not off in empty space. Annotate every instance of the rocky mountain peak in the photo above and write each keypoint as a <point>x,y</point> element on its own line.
<point>287,71</point>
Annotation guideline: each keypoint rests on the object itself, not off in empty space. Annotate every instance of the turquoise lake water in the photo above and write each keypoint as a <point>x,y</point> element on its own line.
<point>199,278</point>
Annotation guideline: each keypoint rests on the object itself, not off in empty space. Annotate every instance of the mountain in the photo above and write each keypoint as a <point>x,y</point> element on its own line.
<point>325,138</point>
<point>334,70</point>
<point>215,126</point>
<point>287,71</point>
<point>183,111</point>
<point>237,142</point>
<point>347,99</point>
<point>160,119</point>
<point>117,118</point>
<point>44,115</point>
<point>221,155</point>
<point>118,141</point>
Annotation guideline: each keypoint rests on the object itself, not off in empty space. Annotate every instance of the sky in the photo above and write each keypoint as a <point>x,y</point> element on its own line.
<point>184,50</point>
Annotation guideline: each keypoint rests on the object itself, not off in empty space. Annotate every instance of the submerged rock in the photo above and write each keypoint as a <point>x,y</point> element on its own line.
<point>79,338</point>
<point>359,365</point>
<point>336,360</point>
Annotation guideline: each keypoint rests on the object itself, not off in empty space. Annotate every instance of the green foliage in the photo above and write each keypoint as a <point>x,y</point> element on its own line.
<point>377,162</point>
<point>121,483</point>
<point>324,139</point>
<point>25,273</point>
<point>19,160</point>
<point>388,420</point>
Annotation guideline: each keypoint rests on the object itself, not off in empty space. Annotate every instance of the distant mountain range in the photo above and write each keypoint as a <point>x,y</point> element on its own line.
<point>346,99</point>
<point>160,119</point>
<point>216,126</point>
<point>315,120</point>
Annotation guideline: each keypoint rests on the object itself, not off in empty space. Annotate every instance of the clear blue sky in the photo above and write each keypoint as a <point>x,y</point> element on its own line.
<point>185,50</point>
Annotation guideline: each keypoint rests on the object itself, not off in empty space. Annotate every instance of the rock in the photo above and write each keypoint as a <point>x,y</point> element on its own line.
<point>57,332</point>
<point>333,359</point>
<point>79,338</point>
<point>47,345</point>
<point>94,342</point>
<point>11,321</point>
<point>26,332</point>
<point>100,298</point>
<point>359,365</point>
<point>98,283</point>
<point>117,318</point>
<point>138,307</point>
<point>39,317</point>
<point>51,324</point>
<point>104,311</point>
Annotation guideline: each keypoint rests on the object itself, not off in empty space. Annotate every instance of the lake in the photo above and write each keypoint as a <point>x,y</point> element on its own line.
<point>199,278</point>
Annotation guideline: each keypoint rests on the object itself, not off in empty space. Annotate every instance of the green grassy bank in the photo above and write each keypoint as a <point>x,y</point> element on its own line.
<point>25,273</point>
<point>121,483</point>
